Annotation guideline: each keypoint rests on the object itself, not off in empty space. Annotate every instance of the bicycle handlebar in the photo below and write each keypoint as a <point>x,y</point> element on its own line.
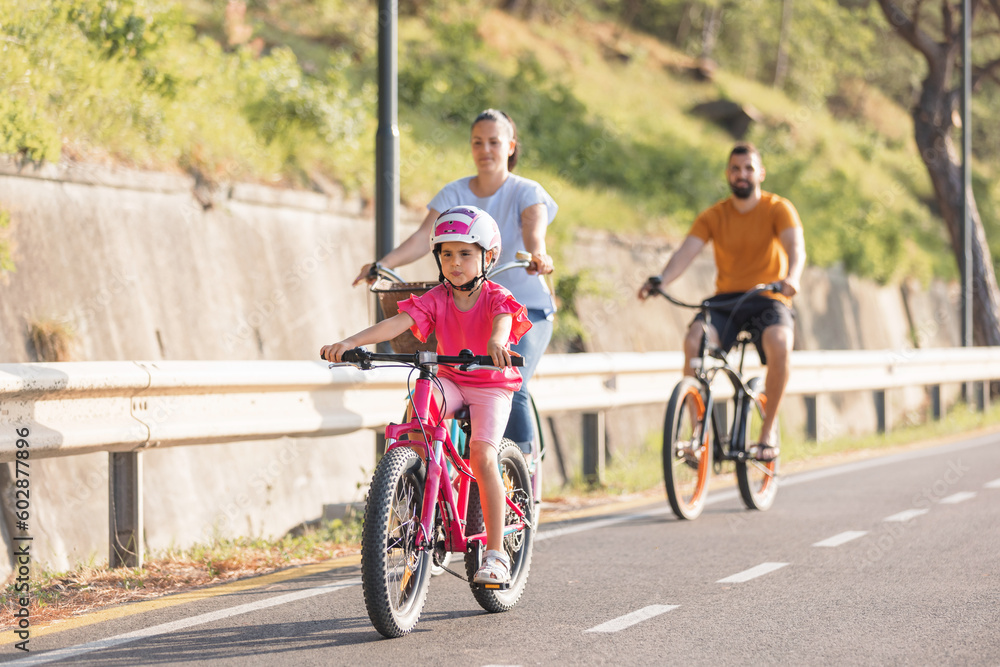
<point>377,270</point>
<point>522,260</point>
<point>655,281</point>
<point>465,360</point>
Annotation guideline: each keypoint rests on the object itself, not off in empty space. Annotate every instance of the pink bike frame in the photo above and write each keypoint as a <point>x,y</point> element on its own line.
<point>425,412</point>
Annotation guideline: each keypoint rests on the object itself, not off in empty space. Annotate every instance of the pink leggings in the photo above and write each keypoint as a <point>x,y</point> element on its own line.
<point>489,408</point>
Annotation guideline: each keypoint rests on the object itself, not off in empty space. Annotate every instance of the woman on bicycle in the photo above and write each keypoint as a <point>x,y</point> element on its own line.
<point>523,211</point>
<point>467,311</point>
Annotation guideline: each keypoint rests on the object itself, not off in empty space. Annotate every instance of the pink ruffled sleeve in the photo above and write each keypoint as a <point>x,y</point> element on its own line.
<point>422,310</point>
<point>504,302</point>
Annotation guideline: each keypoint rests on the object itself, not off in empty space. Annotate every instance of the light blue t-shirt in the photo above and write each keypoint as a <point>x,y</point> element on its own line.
<point>506,205</point>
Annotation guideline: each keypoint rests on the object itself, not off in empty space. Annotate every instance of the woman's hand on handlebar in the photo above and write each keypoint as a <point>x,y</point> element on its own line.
<point>368,274</point>
<point>540,264</point>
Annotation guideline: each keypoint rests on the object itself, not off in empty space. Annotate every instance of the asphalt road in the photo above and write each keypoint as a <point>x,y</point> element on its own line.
<point>892,560</point>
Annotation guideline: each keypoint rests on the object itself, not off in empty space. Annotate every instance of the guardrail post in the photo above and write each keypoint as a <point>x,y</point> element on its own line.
<point>882,410</point>
<point>593,447</point>
<point>125,509</point>
<point>982,396</point>
<point>812,418</point>
<point>935,396</point>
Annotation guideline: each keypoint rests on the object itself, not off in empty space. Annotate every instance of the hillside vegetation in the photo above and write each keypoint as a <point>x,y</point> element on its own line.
<point>283,92</point>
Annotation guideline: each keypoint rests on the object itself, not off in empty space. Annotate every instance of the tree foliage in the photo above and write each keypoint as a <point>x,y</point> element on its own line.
<point>133,79</point>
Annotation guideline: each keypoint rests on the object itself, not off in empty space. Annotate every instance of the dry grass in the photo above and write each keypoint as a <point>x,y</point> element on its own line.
<point>7,246</point>
<point>86,589</point>
<point>52,339</point>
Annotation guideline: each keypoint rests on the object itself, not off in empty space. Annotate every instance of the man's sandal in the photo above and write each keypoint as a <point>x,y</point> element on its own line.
<point>494,570</point>
<point>764,452</point>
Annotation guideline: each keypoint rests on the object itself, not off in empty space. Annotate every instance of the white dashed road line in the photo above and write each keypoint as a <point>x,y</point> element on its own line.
<point>842,538</point>
<point>995,484</point>
<point>958,497</point>
<point>174,626</point>
<point>752,573</point>
<point>905,516</point>
<point>629,620</point>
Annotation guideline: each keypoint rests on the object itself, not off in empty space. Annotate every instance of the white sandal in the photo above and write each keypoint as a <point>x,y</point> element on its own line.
<point>494,570</point>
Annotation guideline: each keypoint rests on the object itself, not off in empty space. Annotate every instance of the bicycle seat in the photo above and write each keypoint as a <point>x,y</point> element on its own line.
<point>462,413</point>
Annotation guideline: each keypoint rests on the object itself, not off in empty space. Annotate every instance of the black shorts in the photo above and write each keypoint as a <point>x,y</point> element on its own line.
<point>754,315</point>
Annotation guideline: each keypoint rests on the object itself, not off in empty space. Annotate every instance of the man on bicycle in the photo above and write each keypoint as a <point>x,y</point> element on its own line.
<point>757,239</point>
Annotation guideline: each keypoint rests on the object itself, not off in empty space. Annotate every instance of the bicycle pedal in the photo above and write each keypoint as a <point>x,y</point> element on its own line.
<point>495,587</point>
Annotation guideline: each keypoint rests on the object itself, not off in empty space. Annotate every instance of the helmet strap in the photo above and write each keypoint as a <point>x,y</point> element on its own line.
<point>470,286</point>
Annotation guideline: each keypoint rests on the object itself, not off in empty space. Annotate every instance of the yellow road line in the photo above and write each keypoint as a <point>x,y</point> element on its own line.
<point>130,609</point>
<point>133,608</point>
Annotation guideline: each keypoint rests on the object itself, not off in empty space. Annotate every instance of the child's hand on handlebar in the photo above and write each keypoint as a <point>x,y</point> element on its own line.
<point>499,353</point>
<point>334,352</point>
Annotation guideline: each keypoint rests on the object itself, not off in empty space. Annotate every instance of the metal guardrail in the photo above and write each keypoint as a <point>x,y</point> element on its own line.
<point>77,408</point>
<point>126,407</point>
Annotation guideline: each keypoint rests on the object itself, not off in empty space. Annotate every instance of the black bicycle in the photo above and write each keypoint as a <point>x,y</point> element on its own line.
<point>697,434</point>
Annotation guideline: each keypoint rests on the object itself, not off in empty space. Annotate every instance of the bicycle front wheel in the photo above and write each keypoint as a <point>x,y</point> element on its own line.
<point>517,543</point>
<point>758,480</point>
<point>687,452</point>
<point>394,573</point>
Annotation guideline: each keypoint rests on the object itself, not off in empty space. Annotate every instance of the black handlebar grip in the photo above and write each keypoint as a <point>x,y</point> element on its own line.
<point>355,355</point>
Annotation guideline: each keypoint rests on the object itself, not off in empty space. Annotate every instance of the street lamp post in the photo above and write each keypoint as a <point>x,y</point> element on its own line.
<point>386,137</point>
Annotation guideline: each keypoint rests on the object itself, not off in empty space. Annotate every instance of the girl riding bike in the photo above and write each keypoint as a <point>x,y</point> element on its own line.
<point>466,311</point>
<point>523,211</point>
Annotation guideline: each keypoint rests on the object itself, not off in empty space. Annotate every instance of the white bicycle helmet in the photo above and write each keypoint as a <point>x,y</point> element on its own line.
<point>467,224</point>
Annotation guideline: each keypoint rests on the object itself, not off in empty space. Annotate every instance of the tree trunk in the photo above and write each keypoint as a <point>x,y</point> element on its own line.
<point>932,125</point>
<point>781,62</point>
<point>932,122</point>
<point>710,32</point>
<point>687,15</point>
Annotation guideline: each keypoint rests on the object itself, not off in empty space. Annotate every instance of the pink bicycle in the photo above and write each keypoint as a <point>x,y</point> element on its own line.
<point>414,516</point>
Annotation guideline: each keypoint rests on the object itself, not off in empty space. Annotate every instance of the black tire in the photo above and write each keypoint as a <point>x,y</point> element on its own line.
<point>538,455</point>
<point>518,545</point>
<point>758,480</point>
<point>687,459</point>
<point>394,573</point>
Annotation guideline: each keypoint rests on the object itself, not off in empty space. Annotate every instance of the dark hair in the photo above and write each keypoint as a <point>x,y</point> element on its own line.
<point>745,148</point>
<point>498,116</point>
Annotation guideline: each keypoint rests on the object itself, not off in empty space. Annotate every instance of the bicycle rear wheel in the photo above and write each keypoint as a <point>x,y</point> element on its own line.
<point>394,573</point>
<point>758,480</point>
<point>687,452</point>
<point>517,544</point>
<point>535,467</point>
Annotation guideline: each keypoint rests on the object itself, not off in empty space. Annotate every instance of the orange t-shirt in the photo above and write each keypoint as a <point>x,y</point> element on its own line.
<point>748,251</point>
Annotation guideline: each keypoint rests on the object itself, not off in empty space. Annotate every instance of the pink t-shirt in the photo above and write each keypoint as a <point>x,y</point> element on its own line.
<point>456,330</point>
